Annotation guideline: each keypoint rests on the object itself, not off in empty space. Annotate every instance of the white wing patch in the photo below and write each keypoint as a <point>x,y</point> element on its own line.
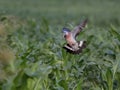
<point>69,48</point>
<point>81,43</point>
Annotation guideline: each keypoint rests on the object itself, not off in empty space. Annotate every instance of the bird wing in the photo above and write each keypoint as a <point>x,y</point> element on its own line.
<point>69,49</point>
<point>78,28</point>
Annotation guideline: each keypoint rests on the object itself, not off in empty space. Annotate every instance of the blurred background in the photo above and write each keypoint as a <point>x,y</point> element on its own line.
<point>31,41</point>
<point>56,11</point>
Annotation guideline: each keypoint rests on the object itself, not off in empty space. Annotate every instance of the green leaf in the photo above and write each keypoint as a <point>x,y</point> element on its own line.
<point>114,32</point>
<point>79,85</point>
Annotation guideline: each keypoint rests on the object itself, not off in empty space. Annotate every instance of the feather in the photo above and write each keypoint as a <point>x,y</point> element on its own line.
<point>72,51</point>
<point>79,28</point>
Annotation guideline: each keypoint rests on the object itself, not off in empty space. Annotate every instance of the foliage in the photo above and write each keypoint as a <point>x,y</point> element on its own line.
<point>32,57</point>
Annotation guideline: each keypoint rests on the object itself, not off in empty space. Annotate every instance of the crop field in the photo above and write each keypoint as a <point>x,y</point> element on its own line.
<point>31,41</point>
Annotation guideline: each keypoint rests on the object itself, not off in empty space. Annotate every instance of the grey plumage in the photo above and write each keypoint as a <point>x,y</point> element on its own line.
<point>78,28</point>
<point>77,46</point>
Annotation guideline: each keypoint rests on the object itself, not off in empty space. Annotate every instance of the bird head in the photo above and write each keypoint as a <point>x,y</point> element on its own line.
<point>66,32</point>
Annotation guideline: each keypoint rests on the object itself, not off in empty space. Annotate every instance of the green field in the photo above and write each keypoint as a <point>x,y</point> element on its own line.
<point>31,41</point>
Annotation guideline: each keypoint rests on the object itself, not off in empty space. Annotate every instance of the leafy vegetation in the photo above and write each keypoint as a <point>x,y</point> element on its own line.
<point>31,53</point>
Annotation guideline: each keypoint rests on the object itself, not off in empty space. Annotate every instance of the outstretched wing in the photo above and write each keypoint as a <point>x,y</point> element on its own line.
<point>72,51</point>
<point>78,28</point>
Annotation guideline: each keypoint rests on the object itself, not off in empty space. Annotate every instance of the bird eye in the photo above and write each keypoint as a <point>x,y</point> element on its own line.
<point>64,36</point>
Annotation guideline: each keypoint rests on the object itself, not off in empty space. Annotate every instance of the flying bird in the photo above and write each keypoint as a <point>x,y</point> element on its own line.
<point>73,46</point>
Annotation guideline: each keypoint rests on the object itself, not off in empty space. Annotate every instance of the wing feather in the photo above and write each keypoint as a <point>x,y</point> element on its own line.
<point>79,28</point>
<point>72,51</point>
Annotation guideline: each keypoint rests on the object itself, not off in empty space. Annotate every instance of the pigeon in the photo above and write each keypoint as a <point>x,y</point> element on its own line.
<point>73,46</point>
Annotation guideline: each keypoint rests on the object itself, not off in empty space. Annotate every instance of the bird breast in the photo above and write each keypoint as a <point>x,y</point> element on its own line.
<point>70,40</point>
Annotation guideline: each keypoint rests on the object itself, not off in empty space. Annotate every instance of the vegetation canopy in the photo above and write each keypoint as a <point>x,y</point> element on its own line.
<point>31,41</point>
